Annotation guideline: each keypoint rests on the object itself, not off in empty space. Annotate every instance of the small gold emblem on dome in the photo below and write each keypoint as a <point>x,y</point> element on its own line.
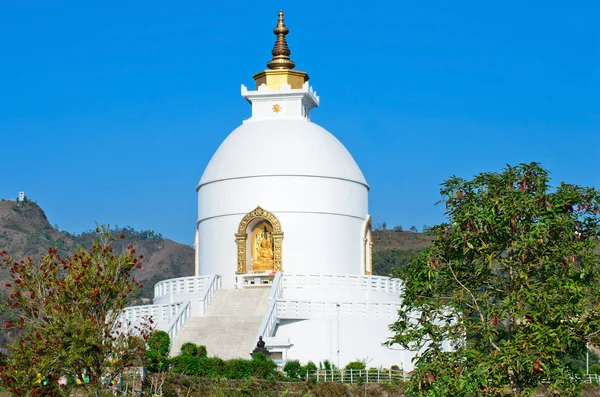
<point>276,108</point>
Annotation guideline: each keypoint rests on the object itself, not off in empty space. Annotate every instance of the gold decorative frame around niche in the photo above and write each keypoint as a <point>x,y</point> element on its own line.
<point>242,235</point>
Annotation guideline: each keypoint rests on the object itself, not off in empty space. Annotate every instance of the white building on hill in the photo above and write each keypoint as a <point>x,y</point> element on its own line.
<point>283,240</point>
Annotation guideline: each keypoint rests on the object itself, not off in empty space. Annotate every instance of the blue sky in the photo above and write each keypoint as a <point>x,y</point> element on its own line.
<point>109,111</point>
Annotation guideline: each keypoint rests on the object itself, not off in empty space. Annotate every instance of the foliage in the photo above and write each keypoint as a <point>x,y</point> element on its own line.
<point>310,367</point>
<point>188,362</point>
<point>397,228</point>
<point>356,365</point>
<point>509,287</point>
<point>389,261</point>
<point>191,349</point>
<point>67,311</point>
<point>292,368</point>
<point>157,352</point>
<point>413,229</point>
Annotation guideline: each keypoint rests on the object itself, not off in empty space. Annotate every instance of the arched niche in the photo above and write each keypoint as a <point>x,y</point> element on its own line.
<point>368,247</point>
<point>248,234</point>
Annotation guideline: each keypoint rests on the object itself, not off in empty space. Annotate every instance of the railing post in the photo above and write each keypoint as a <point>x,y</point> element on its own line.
<point>367,370</point>
<point>351,380</point>
<point>378,374</point>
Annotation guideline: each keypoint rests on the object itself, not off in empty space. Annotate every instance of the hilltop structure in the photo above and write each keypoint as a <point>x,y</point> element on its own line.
<point>283,240</point>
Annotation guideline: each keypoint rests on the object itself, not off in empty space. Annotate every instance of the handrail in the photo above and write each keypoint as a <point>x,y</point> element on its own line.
<point>178,321</point>
<point>180,285</point>
<point>371,375</point>
<point>267,326</point>
<point>301,309</point>
<point>209,293</point>
<point>132,316</point>
<point>343,281</point>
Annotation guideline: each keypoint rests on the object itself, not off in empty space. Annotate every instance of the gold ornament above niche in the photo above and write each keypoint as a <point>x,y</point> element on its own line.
<point>276,108</point>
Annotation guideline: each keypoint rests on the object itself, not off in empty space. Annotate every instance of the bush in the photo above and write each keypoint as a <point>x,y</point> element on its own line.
<point>213,367</point>
<point>292,368</point>
<point>595,369</point>
<point>356,365</point>
<point>263,367</point>
<point>193,350</point>
<point>309,368</point>
<point>157,352</point>
<point>240,369</point>
<point>186,364</point>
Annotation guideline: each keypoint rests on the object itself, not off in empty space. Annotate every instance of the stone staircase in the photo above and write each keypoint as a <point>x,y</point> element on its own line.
<point>230,325</point>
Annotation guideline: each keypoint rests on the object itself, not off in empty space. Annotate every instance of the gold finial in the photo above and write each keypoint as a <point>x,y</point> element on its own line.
<point>280,67</point>
<point>281,52</point>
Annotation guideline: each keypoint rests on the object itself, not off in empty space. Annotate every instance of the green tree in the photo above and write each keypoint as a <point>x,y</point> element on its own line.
<point>509,287</point>
<point>67,311</point>
<point>157,352</point>
<point>413,229</point>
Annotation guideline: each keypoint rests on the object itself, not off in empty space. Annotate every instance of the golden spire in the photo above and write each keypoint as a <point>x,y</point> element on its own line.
<point>280,67</point>
<point>281,52</point>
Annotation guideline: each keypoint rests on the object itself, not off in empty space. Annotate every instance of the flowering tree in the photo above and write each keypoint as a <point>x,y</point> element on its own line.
<point>66,312</point>
<point>510,286</point>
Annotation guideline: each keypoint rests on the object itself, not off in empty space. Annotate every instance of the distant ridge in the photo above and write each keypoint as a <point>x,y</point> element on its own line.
<point>26,231</point>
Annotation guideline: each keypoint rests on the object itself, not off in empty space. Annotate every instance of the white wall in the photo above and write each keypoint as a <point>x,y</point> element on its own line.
<point>312,243</point>
<point>322,220</point>
<point>282,194</point>
<point>360,339</point>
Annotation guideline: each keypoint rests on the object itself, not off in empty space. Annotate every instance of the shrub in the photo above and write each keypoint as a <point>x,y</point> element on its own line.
<point>240,369</point>
<point>186,364</point>
<point>309,368</point>
<point>595,369</point>
<point>263,367</point>
<point>191,349</point>
<point>356,365</point>
<point>213,367</point>
<point>157,352</point>
<point>292,368</point>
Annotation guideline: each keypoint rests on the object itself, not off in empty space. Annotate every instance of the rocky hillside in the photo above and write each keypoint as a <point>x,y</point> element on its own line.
<point>26,231</point>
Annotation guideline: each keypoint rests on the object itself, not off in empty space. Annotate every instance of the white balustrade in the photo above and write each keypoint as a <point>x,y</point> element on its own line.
<point>178,321</point>
<point>211,289</point>
<point>302,310</point>
<point>182,285</point>
<point>343,281</point>
<point>161,315</point>
<point>267,326</point>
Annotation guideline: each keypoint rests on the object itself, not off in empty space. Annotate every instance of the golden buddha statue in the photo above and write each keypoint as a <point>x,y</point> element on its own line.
<point>263,259</point>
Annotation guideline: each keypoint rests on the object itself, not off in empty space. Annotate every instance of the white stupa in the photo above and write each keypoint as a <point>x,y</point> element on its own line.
<point>283,240</point>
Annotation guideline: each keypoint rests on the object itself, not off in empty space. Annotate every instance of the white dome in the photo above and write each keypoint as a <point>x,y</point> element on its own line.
<point>281,147</point>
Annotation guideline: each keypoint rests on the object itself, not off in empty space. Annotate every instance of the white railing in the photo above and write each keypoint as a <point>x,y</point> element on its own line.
<point>182,285</point>
<point>133,316</point>
<point>211,288</point>
<point>267,326</point>
<point>343,281</point>
<point>178,321</point>
<point>302,310</point>
<point>372,375</point>
<point>592,378</point>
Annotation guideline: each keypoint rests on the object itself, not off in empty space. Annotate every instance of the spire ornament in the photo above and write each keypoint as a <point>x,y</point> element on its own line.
<point>280,67</point>
<point>281,52</point>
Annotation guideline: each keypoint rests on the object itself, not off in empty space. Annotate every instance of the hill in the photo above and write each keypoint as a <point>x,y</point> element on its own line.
<point>392,249</point>
<point>26,231</point>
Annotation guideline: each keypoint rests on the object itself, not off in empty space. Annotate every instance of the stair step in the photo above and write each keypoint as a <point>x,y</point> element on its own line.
<point>229,327</point>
